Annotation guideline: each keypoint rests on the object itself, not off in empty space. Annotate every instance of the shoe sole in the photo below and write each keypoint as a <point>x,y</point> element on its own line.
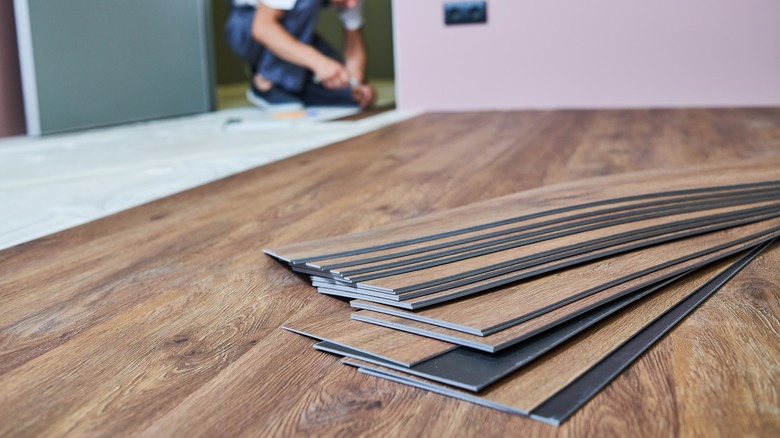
<point>272,107</point>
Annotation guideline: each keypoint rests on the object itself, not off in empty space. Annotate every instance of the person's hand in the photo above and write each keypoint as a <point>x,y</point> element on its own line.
<point>364,94</point>
<point>331,73</point>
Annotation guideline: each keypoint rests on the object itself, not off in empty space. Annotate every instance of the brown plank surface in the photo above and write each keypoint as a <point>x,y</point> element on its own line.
<point>681,248</point>
<point>512,228</point>
<point>518,302</point>
<point>557,227</point>
<point>516,333</point>
<point>581,193</point>
<point>421,278</point>
<point>526,389</point>
<point>164,319</point>
<point>399,347</point>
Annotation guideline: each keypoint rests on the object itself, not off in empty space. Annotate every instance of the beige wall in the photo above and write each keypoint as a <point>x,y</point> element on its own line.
<point>589,54</point>
<point>11,108</point>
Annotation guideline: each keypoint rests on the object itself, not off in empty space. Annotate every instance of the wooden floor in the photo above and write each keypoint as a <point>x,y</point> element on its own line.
<point>164,320</point>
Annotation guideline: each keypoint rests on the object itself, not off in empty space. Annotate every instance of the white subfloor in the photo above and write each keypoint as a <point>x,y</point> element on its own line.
<point>56,182</point>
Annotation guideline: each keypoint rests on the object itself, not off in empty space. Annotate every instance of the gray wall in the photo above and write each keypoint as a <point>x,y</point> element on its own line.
<point>102,62</point>
<point>377,31</point>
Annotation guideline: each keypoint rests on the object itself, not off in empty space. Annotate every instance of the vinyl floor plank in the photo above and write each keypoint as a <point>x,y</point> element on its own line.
<point>473,370</point>
<point>375,340</point>
<point>549,229</point>
<point>464,287</point>
<point>420,299</point>
<point>530,327</point>
<point>543,224</point>
<point>593,191</point>
<point>398,347</point>
<point>579,253</point>
<point>471,285</point>
<point>495,310</point>
<point>528,389</point>
<point>476,284</point>
<point>412,278</point>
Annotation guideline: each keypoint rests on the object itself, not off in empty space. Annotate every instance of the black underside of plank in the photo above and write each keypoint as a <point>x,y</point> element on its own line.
<point>473,370</point>
<point>563,404</point>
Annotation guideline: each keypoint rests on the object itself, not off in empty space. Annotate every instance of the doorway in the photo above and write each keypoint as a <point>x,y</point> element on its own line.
<point>232,76</point>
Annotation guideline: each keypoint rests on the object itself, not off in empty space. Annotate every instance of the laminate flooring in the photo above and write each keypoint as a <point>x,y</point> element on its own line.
<point>472,370</point>
<point>527,389</point>
<point>588,194</point>
<point>163,320</point>
<point>560,230</point>
<point>393,346</point>
<point>524,330</point>
<point>499,309</point>
<point>479,283</point>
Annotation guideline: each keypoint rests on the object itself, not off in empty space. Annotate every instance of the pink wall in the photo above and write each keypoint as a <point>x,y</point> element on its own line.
<point>11,107</point>
<point>594,53</point>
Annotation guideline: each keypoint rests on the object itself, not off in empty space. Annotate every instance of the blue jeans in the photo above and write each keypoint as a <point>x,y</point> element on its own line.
<point>296,80</point>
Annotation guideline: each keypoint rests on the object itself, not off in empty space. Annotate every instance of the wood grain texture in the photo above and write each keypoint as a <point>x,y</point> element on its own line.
<point>527,388</point>
<point>473,371</point>
<point>521,205</point>
<point>541,226</point>
<point>164,320</point>
<point>399,347</point>
<point>483,314</point>
<point>523,330</point>
<point>435,271</point>
<point>421,278</point>
<point>505,276</point>
<point>449,256</point>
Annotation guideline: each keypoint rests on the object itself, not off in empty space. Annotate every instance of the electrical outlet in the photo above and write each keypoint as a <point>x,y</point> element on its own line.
<point>465,12</point>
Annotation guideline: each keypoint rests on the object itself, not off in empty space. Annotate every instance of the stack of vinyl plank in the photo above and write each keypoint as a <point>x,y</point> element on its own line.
<point>531,303</point>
